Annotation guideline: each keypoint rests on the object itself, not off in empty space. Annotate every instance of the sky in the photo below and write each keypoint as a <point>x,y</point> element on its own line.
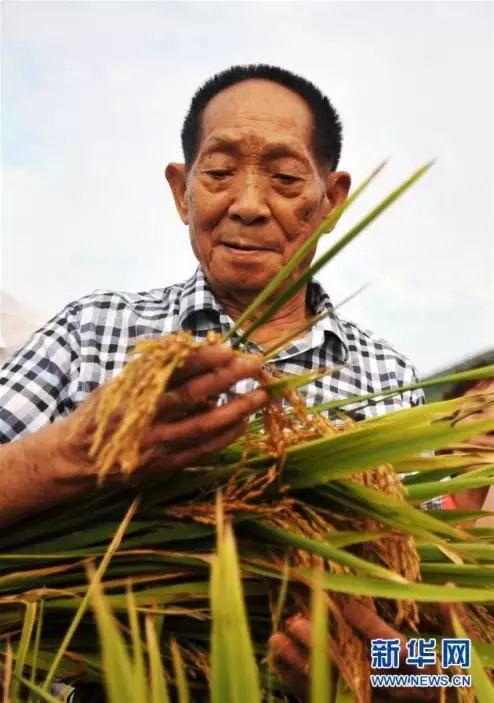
<point>93,97</point>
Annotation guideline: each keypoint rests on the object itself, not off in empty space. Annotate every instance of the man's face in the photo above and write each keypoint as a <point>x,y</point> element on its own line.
<point>254,193</point>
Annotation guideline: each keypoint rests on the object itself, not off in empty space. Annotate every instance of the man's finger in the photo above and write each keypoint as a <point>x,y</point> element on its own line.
<point>369,624</point>
<point>300,629</point>
<point>202,360</point>
<point>198,390</point>
<point>197,454</point>
<point>287,656</point>
<point>196,428</point>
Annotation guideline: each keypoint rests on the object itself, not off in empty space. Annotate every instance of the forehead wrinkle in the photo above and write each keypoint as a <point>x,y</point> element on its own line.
<point>221,142</point>
<point>260,116</point>
<point>231,143</point>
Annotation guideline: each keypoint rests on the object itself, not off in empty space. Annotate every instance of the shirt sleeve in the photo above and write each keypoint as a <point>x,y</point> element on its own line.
<point>414,397</point>
<point>38,383</point>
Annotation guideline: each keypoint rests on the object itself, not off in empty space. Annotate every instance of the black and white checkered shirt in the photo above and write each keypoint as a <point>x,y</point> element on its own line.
<point>90,340</point>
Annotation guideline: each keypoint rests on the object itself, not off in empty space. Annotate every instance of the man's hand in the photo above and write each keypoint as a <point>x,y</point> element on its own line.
<point>53,464</point>
<point>290,651</point>
<point>189,426</point>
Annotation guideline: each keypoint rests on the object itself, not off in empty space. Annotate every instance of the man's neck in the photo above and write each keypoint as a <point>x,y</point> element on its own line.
<point>286,320</point>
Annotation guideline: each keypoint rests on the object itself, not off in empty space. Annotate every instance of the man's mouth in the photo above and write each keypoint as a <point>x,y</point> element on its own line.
<point>247,247</point>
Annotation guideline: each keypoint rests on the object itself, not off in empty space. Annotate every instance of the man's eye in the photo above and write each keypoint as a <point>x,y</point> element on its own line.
<point>219,174</point>
<point>286,178</point>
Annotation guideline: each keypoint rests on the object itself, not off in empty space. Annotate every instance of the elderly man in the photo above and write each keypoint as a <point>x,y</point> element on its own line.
<point>261,149</point>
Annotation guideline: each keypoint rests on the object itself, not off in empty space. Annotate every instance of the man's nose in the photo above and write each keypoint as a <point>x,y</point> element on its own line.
<point>249,205</point>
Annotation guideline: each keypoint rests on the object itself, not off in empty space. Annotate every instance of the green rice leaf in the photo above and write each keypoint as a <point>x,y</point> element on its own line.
<point>234,668</point>
<point>320,691</point>
<point>339,556</point>
<point>472,375</point>
<point>117,664</point>
<point>159,689</point>
<point>484,689</point>
<point>393,512</point>
<point>374,442</point>
<point>183,592</point>
<point>455,516</point>
<point>425,491</point>
<point>36,646</point>
<point>279,388</point>
<point>378,588</point>
<point>347,538</point>
<point>220,676</point>
<point>425,466</point>
<point>20,659</point>
<point>448,571</point>
<point>180,678</point>
<point>139,675</point>
<point>285,578</point>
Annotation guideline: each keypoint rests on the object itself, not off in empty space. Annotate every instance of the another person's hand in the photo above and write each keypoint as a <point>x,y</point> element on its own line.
<point>485,385</point>
<point>290,651</point>
<point>189,425</point>
<point>474,498</point>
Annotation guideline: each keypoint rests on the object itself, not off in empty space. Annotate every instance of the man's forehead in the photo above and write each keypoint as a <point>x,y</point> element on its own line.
<point>258,105</point>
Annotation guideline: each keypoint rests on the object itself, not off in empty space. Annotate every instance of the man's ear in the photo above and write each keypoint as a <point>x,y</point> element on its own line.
<point>337,188</point>
<point>177,180</point>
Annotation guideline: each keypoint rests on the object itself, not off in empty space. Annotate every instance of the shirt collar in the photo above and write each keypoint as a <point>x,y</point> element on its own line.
<point>319,302</point>
<point>199,310</point>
